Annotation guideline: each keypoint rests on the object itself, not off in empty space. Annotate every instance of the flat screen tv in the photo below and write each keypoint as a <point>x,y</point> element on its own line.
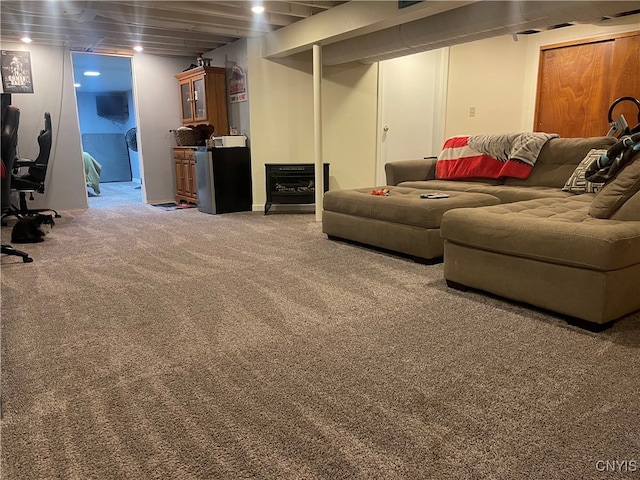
<point>113,106</point>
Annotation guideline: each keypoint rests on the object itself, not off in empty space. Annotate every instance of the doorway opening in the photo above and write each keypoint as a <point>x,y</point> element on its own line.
<point>108,130</point>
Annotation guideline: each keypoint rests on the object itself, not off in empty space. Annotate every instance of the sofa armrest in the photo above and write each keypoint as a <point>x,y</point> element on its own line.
<point>410,170</point>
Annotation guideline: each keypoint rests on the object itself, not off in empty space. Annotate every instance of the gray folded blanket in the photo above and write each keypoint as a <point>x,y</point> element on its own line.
<point>524,147</point>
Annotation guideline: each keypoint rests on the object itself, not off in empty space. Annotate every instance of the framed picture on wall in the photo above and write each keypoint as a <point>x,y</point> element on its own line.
<point>16,71</point>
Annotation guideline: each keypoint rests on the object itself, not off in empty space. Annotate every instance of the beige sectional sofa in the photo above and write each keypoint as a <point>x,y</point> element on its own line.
<point>525,240</point>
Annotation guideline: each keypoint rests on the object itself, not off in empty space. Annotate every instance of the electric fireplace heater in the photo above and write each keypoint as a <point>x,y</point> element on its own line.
<point>292,183</point>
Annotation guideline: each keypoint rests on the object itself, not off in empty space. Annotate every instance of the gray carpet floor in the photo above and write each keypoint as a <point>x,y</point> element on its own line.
<point>151,344</point>
<point>116,194</point>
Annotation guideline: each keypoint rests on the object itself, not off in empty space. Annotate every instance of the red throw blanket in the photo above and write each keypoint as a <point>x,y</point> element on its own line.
<point>490,156</point>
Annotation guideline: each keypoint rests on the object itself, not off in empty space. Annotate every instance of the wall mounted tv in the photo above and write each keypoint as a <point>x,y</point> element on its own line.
<point>113,106</point>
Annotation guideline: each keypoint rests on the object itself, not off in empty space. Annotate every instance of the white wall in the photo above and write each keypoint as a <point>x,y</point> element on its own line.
<point>349,124</point>
<point>281,96</point>
<point>281,114</point>
<point>65,186</point>
<point>499,77</point>
<point>235,54</point>
<point>158,110</point>
<point>489,76</point>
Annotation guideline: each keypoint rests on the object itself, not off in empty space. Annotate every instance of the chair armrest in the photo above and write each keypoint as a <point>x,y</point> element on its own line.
<point>23,162</point>
<point>410,170</point>
<point>31,164</point>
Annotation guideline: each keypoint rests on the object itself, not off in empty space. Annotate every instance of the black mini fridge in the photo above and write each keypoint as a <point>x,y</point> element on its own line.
<point>223,179</point>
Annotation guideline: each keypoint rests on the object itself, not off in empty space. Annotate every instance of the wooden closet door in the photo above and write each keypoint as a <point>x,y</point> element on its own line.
<point>574,90</point>
<point>626,80</point>
<point>577,83</point>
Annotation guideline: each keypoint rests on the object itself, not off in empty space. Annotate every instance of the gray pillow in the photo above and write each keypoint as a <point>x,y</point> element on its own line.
<point>577,182</point>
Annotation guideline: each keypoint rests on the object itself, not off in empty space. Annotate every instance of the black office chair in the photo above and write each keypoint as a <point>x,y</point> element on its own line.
<point>33,179</point>
<point>10,121</point>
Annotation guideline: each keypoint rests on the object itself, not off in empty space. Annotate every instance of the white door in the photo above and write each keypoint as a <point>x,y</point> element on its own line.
<point>412,101</point>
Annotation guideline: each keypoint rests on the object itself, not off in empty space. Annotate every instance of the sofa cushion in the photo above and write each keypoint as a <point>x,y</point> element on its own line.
<point>505,193</point>
<point>577,182</point>
<point>615,193</point>
<point>549,230</point>
<point>630,210</point>
<point>449,185</point>
<point>559,158</point>
<point>402,205</point>
<point>512,193</point>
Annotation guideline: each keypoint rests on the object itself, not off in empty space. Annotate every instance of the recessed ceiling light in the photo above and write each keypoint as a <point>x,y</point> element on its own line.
<point>91,74</point>
<point>258,9</point>
<point>26,39</point>
<point>138,48</point>
<point>77,85</point>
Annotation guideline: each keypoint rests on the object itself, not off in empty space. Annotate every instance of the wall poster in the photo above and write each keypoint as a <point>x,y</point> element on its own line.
<point>237,85</point>
<point>16,71</point>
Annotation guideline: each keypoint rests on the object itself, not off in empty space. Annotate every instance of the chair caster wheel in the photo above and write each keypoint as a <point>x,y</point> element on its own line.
<point>27,259</point>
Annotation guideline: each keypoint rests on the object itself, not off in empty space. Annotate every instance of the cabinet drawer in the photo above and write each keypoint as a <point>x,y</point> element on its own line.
<point>184,153</point>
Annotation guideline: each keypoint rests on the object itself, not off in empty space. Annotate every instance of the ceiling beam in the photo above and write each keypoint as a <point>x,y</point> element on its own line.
<point>348,20</point>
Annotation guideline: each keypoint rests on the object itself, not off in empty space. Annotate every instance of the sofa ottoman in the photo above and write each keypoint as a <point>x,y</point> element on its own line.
<point>550,253</point>
<point>401,221</point>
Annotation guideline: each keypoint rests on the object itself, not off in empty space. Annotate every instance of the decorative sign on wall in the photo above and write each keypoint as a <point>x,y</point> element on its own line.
<point>237,85</point>
<point>16,71</point>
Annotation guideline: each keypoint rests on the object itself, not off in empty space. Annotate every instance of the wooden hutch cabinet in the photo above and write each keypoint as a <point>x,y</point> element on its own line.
<point>203,98</point>
<point>185,164</point>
